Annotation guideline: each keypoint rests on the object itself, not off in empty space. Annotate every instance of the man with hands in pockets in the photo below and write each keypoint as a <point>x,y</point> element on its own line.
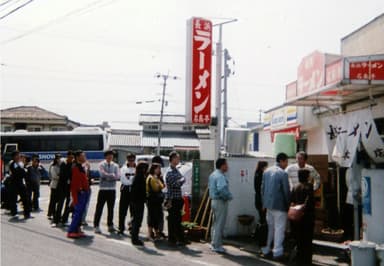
<point>220,196</point>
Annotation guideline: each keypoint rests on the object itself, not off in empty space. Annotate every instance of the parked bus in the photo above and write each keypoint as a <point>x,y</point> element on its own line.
<point>93,141</point>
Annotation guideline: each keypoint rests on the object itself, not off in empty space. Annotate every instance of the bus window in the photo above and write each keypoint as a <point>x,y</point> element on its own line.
<point>88,143</point>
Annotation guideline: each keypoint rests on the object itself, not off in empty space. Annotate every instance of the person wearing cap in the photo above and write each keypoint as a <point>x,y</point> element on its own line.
<point>109,174</point>
<point>127,175</point>
<point>54,176</point>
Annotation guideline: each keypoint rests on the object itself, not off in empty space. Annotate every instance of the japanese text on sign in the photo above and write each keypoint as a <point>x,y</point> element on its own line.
<point>200,71</point>
<point>369,70</point>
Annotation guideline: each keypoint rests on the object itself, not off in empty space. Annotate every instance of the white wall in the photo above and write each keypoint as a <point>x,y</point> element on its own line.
<point>243,193</point>
<point>207,149</point>
<point>265,142</point>
<point>317,141</point>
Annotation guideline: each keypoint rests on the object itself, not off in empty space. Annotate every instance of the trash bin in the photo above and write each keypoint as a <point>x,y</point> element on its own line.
<point>363,253</point>
<point>380,254</point>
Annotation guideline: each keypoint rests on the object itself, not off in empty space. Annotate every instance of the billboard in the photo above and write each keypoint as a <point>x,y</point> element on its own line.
<point>199,71</point>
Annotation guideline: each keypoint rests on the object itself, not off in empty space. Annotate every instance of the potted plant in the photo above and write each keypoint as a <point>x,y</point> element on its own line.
<point>193,231</point>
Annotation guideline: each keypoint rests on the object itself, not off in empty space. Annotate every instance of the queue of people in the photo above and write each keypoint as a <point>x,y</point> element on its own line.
<point>277,188</point>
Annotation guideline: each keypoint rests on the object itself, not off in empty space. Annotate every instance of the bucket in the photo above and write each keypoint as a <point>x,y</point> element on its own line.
<point>363,253</point>
<point>380,254</point>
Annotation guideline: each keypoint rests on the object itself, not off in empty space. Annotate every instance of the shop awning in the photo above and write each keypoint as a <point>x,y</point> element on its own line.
<point>346,80</point>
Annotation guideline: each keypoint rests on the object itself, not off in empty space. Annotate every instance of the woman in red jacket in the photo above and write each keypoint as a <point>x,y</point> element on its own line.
<point>80,194</point>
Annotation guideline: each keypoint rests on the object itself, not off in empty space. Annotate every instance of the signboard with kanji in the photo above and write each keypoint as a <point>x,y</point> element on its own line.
<point>199,71</point>
<point>366,70</point>
<point>310,73</point>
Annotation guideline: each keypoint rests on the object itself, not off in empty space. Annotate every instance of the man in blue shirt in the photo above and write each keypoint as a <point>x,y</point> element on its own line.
<point>220,195</point>
<point>275,195</point>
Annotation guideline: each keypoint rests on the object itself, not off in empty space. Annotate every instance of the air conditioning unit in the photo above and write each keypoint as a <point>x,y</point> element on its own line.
<point>236,140</point>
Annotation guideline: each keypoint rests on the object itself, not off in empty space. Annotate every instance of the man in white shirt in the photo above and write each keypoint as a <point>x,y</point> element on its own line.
<point>109,174</point>
<point>127,175</point>
<point>293,171</point>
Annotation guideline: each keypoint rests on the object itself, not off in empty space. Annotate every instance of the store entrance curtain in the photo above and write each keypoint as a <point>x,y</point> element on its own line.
<point>343,133</point>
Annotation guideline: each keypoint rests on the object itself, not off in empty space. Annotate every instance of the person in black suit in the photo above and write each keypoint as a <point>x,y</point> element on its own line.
<point>303,230</point>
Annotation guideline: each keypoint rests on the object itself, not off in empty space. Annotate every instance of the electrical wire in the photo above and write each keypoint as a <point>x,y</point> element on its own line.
<point>56,20</point>
<point>10,5</point>
<point>14,10</point>
<point>5,2</point>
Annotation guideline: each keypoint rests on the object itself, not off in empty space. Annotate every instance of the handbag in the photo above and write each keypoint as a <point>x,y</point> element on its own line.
<point>296,212</point>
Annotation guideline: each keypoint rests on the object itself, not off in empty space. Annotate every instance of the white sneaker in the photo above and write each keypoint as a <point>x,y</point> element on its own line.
<point>218,250</point>
<point>53,225</point>
<point>265,250</point>
<point>97,230</point>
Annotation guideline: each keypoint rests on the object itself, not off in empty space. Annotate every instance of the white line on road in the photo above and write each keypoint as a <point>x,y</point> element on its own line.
<point>121,242</point>
<point>200,262</point>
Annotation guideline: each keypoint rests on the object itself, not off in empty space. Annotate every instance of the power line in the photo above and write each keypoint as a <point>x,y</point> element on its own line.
<point>17,8</point>
<point>56,20</point>
<point>5,2</point>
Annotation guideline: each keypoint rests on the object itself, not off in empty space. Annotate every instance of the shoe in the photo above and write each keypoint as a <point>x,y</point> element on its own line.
<point>172,243</point>
<point>137,242</point>
<point>50,218</point>
<point>28,216</point>
<point>162,235</point>
<point>220,250</point>
<point>268,256</point>
<point>73,235</point>
<point>84,224</point>
<point>183,243</point>
<point>14,217</point>
<point>97,230</point>
<point>281,258</point>
<point>53,225</point>
<point>111,229</point>
<point>121,233</point>
<point>82,234</point>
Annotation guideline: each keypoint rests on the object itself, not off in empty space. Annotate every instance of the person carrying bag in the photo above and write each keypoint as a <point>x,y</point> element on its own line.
<point>302,217</point>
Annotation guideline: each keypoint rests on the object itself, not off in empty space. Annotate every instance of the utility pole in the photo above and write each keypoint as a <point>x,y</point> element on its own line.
<point>165,78</point>
<point>219,55</point>
<point>227,73</point>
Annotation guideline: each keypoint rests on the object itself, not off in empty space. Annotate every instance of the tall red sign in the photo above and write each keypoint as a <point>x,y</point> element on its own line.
<point>199,71</point>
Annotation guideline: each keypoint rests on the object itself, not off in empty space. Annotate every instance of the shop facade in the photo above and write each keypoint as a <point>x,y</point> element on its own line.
<point>339,103</point>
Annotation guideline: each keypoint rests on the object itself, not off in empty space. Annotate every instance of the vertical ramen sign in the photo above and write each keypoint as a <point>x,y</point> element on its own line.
<point>199,71</point>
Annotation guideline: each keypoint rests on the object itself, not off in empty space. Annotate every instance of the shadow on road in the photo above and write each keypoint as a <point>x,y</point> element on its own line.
<point>163,245</point>
<point>83,242</point>
<point>246,260</point>
<point>149,251</point>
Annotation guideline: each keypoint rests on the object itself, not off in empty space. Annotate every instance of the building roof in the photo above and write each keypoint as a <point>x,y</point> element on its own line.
<point>125,138</point>
<point>170,140</point>
<point>381,16</point>
<point>155,119</point>
<point>30,113</point>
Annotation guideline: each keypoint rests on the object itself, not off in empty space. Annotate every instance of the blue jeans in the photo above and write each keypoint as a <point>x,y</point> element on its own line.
<point>82,198</point>
<point>220,210</point>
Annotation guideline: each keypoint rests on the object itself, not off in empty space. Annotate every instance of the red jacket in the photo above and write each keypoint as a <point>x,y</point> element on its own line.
<point>79,182</point>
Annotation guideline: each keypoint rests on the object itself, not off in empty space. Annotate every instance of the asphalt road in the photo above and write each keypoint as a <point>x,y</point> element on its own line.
<point>34,242</point>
